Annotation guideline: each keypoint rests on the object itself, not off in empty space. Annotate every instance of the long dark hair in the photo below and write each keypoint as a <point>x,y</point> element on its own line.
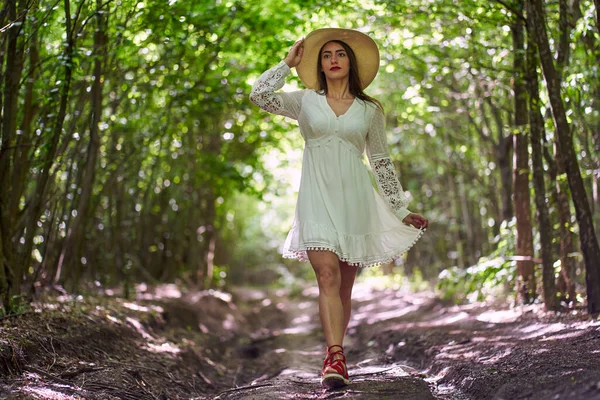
<point>353,78</point>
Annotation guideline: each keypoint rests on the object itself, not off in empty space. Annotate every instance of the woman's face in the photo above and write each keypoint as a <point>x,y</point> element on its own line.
<point>334,61</point>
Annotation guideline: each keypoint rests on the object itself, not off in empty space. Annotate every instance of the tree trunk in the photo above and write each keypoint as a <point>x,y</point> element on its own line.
<point>536,127</point>
<point>23,150</point>
<point>9,282</point>
<point>526,284</point>
<point>593,45</point>
<point>43,178</point>
<point>567,247</point>
<point>3,43</point>
<point>455,227</point>
<point>596,146</point>
<point>467,221</point>
<point>71,252</point>
<point>589,242</point>
<point>503,153</point>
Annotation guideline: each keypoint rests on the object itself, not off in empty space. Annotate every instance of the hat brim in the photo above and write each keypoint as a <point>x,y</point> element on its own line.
<point>365,49</point>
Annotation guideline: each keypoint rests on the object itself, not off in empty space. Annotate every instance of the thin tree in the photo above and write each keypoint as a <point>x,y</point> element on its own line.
<point>10,84</point>
<point>71,252</point>
<point>536,128</point>
<point>526,284</point>
<point>589,242</point>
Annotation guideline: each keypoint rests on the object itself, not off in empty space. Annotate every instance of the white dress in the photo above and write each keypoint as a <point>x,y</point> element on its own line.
<point>338,208</point>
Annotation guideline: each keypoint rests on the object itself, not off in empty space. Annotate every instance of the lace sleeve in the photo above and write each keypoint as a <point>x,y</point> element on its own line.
<point>383,167</point>
<point>265,96</point>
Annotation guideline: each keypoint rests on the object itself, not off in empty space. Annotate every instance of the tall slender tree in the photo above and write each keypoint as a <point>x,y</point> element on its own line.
<point>11,84</point>
<point>75,238</point>
<point>588,240</point>
<point>526,284</point>
<point>536,132</point>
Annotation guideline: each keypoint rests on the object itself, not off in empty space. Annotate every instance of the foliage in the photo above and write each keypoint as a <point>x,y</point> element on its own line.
<point>493,275</point>
<point>193,181</point>
<point>18,304</point>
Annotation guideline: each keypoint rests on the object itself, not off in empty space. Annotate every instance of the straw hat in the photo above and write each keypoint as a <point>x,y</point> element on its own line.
<point>365,49</point>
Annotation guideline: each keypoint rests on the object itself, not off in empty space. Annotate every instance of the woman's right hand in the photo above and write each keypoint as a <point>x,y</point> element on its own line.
<point>295,55</point>
<point>416,220</point>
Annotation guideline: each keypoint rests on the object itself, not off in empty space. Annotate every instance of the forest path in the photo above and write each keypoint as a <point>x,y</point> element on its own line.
<point>254,344</point>
<point>403,345</point>
<point>284,362</point>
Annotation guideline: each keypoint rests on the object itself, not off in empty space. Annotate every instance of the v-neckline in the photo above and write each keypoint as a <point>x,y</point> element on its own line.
<point>333,112</point>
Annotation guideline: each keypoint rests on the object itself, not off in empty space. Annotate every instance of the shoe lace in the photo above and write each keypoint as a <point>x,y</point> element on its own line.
<point>338,364</point>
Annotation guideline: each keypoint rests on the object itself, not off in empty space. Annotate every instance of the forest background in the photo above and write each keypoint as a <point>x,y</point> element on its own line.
<point>131,153</point>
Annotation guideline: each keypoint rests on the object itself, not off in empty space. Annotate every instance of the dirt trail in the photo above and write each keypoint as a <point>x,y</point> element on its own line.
<point>257,345</point>
<point>291,354</point>
<point>411,346</point>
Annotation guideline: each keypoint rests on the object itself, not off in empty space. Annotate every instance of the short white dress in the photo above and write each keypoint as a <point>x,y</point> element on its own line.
<point>338,208</point>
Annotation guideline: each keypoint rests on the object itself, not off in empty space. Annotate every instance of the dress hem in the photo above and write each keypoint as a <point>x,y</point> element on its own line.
<point>301,255</point>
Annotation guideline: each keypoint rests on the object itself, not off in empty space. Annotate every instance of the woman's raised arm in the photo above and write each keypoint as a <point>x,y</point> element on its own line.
<point>265,90</point>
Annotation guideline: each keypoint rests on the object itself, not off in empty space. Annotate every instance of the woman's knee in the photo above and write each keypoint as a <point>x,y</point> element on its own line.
<point>328,276</point>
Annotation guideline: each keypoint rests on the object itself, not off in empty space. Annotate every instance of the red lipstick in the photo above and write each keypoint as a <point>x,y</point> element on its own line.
<point>334,68</point>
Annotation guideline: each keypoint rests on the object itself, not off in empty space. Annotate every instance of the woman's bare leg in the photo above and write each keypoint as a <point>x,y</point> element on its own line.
<point>331,310</point>
<point>348,273</point>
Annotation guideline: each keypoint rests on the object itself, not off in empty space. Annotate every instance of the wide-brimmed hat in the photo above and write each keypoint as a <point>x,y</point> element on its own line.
<point>365,49</point>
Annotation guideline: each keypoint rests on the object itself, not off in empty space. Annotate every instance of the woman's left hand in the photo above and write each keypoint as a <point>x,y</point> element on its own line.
<point>416,220</point>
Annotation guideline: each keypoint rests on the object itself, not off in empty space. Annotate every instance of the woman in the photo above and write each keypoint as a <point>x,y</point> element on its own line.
<point>341,222</point>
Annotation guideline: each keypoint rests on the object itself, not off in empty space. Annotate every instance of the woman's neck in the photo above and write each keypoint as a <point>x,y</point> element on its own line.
<point>339,89</point>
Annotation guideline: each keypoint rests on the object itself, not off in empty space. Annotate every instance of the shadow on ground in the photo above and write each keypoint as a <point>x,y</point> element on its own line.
<point>252,344</point>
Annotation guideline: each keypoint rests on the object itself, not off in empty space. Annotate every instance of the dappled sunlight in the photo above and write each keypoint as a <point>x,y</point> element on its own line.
<point>266,302</point>
<point>132,155</point>
<point>303,319</point>
<point>135,307</point>
<point>299,330</point>
<point>498,339</point>
<point>393,371</point>
<point>47,393</point>
<point>436,322</point>
<point>313,291</point>
<point>541,351</point>
<point>305,304</point>
<point>162,291</point>
<point>499,316</point>
<point>139,328</point>
<point>381,305</point>
<point>194,297</point>
<point>570,372</point>
<point>309,353</point>
<point>496,357</point>
<point>371,317</point>
<point>459,355</point>
<point>448,320</point>
<point>279,339</point>
<point>441,374</point>
<point>302,374</point>
<point>566,335</point>
<point>444,389</point>
<point>366,289</point>
<point>366,362</point>
<point>162,348</point>
<point>141,308</point>
<point>389,303</point>
<point>539,329</point>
